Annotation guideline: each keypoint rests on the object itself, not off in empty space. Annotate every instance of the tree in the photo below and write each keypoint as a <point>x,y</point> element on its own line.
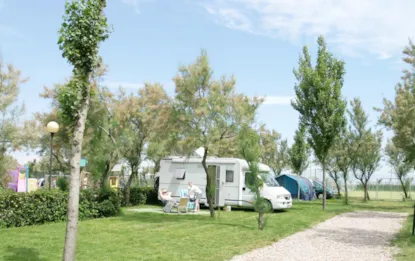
<point>6,163</point>
<point>104,132</point>
<point>275,150</point>
<point>368,159</point>
<point>208,111</point>
<point>364,145</point>
<point>250,149</point>
<point>10,83</point>
<point>319,101</point>
<point>399,115</point>
<point>83,29</point>
<point>335,163</point>
<point>299,154</point>
<point>397,160</point>
<point>142,116</point>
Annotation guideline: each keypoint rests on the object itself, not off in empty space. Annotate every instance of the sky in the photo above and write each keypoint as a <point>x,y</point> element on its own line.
<point>257,41</point>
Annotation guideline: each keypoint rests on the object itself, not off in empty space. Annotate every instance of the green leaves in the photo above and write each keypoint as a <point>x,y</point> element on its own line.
<point>208,110</point>
<point>318,98</point>
<point>39,207</point>
<point>299,152</point>
<point>83,29</point>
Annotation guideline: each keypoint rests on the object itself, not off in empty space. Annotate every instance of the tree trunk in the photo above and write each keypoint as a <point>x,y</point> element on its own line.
<point>346,193</point>
<point>74,187</point>
<point>104,179</point>
<point>134,171</point>
<point>299,186</point>
<point>404,188</point>
<point>261,220</point>
<point>324,184</point>
<point>366,193</point>
<point>210,186</point>
<point>413,223</point>
<point>338,188</point>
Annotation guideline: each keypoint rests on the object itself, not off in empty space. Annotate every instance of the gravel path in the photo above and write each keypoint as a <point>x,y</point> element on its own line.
<point>354,236</point>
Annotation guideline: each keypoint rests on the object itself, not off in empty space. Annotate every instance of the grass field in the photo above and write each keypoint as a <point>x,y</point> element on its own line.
<point>382,195</point>
<point>153,236</point>
<point>406,242</point>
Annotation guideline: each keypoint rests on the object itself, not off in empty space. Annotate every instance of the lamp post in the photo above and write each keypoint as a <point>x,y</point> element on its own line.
<point>52,128</point>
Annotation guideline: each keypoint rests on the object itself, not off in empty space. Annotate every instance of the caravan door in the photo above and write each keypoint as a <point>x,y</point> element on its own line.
<point>248,196</point>
<point>219,173</point>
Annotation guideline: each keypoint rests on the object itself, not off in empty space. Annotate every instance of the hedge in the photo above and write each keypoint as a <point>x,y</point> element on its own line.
<point>42,206</point>
<point>139,196</point>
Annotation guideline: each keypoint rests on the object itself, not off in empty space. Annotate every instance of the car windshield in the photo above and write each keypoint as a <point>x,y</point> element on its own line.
<point>269,179</point>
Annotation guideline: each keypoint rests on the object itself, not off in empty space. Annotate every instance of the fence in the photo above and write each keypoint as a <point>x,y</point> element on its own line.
<point>386,189</point>
<point>379,189</point>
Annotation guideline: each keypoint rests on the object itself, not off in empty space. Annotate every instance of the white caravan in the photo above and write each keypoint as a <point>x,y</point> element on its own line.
<point>176,172</point>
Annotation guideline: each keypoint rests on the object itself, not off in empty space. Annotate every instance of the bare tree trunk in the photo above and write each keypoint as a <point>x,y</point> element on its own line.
<point>346,193</point>
<point>404,188</point>
<point>74,187</point>
<point>299,190</point>
<point>324,184</point>
<point>366,193</point>
<point>413,223</point>
<point>134,173</point>
<point>210,186</point>
<point>104,178</point>
<point>338,188</point>
<point>261,220</point>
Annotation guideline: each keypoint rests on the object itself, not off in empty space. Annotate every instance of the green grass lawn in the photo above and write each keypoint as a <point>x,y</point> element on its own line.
<point>153,236</point>
<point>406,242</point>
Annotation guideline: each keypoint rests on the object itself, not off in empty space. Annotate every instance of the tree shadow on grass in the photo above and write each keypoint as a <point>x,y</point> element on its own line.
<point>149,217</point>
<point>22,254</point>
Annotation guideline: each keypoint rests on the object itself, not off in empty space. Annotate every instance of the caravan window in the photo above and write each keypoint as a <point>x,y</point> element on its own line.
<point>229,176</point>
<point>180,174</point>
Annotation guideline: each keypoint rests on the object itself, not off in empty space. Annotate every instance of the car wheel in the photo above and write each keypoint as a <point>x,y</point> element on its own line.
<point>269,207</point>
<point>319,196</point>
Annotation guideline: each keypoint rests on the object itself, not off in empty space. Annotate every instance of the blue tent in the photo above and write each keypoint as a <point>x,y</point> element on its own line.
<point>290,183</point>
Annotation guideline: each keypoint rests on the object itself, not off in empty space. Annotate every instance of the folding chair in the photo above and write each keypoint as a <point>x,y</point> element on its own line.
<point>184,194</point>
<point>182,205</point>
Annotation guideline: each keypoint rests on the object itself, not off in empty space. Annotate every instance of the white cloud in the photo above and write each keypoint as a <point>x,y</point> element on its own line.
<point>377,27</point>
<point>125,85</point>
<point>277,100</point>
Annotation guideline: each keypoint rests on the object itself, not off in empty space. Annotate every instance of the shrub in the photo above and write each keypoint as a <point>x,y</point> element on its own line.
<point>62,183</point>
<point>42,206</point>
<point>139,196</point>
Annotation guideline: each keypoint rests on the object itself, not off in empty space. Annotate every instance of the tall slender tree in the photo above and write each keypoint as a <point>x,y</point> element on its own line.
<point>368,159</point>
<point>398,115</point>
<point>299,154</point>
<point>84,27</point>
<point>319,101</point>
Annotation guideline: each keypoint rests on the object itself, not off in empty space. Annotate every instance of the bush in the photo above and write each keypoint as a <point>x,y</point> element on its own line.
<point>139,196</point>
<point>42,206</point>
<point>62,183</point>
